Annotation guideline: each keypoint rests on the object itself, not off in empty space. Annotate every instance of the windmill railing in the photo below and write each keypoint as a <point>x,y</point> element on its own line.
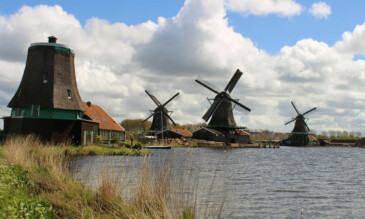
<point>300,133</point>
<point>224,126</point>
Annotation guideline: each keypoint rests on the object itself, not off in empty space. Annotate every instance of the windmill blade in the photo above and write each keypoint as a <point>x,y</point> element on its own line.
<point>232,83</point>
<point>169,117</point>
<point>309,111</point>
<point>307,126</point>
<point>171,99</point>
<point>207,85</point>
<point>153,98</point>
<point>239,104</point>
<point>292,120</point>
<point>292,103</point>
<point>212,109</point>
<point>239,109</point>
<point>149,117</point>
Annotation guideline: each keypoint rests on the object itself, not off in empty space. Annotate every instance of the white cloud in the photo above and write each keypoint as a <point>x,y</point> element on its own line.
<point>320,10</point>
<point>116,62</point>
<point>265,7</point>
<point>353,43</point>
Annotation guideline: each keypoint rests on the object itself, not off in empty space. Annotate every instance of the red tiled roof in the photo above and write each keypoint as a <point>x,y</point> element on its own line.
<point>312,138</point>
<point>184,132</point>
<point>241,132</point>
<point>98,114</point>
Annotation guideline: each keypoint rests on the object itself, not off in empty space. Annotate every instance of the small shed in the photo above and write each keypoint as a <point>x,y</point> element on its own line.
<point>209,134</point>
<point>110,131</point>
<point>185,133</point>
<point>241,136</point>
<point>361,142</point>
<point>313,141</point>
<point>174,133</point>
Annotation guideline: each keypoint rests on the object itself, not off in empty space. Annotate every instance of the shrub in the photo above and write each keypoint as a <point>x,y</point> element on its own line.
<point>138,146</point>
<point>98,139</point>
<point>127,145</point>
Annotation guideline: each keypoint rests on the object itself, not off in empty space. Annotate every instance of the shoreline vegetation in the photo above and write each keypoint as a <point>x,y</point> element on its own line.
<point>39,173</point>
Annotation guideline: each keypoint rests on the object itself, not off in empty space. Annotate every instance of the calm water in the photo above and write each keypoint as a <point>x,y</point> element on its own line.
<point>260,183</point>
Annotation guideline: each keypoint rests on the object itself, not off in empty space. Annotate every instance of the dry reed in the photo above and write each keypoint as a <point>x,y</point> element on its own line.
<point>157,193</point>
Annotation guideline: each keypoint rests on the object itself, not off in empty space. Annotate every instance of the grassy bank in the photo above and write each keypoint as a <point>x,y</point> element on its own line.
<point>16,199</point>
<point>41,175</point>
<point>102,150</point>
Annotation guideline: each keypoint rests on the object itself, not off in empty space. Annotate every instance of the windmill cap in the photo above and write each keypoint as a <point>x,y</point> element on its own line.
<point>52,43</point>
<point>52,39</point>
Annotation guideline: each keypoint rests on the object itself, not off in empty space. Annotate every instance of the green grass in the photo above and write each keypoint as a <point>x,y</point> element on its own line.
<point>102,150</point>
<point>16,197</point>
<point>35,183</point>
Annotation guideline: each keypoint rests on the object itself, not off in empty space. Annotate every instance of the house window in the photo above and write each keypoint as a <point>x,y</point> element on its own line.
<point>69,94</point>
<point>17,111</point>
<point>35,110</point>
<point>45,78</point>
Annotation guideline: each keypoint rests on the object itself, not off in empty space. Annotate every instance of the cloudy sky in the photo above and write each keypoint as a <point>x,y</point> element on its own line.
<point>311,52</point>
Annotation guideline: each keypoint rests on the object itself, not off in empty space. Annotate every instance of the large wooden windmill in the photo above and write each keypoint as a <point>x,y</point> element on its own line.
<point>300,133</point>
<point>47,102</point>
<point>160,115</point>
<point>221,112</point>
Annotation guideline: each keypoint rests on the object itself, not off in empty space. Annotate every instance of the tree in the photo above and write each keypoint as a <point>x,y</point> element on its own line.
<point>132,125</point>
<point>190,127</point>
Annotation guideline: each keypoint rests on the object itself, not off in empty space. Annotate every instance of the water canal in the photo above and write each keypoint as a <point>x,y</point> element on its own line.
<point>320,182</point>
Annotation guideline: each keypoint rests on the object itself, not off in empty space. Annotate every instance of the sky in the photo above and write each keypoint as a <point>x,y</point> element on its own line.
<point>310,52</point>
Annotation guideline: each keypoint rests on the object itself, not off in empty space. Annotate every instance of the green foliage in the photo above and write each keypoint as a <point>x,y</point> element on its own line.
<point>190,127</point>
<point>268,135</point>
<point>98,139</point>
<point>127,145</point>
<point>132,125</point>
<point>105,150</point>
<point>138,146</point>
<point>188,214</point>
<point>339,135</point>
<point>16,199</point>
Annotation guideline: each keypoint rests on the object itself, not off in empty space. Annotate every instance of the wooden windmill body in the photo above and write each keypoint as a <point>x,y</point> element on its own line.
<point>160,114</point>
<point>222,125</point>
<point>301,132</point>
<point>47,102</point>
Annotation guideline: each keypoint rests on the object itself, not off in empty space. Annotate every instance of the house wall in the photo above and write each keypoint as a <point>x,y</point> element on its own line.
<point>54,130</point>
<point>204,134</point>
<point>47,113</point>
<point>111,137</point>
<point>169,134</point>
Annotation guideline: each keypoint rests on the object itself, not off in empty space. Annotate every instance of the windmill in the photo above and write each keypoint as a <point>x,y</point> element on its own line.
<point>220,112</point>
<point>301,130</point>
<point>160,115</point>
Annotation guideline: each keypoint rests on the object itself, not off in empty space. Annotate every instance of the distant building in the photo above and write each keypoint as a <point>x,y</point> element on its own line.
<point>234,135</point>
<point>108,128</point>
<point>209,134</point>
<point>47,102</point>
<point>174,133</point>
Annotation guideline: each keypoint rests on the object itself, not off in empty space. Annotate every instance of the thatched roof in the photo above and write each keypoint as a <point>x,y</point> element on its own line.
<point>49,79</point>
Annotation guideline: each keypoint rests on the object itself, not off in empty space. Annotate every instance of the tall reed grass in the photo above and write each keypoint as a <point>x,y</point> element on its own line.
<point>157,192</point>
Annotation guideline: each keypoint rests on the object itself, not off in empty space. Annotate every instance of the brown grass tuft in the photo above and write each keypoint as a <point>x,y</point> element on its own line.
<point>157,192</point>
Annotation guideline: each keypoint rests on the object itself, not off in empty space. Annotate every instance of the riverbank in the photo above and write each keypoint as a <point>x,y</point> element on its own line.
<point>54,193</point>
<point>92,150</point>
<point>16,199</point>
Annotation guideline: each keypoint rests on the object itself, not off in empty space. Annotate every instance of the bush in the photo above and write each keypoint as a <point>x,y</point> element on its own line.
<point>127,145</point>
<point>98,139</point>
<point>138,146</point>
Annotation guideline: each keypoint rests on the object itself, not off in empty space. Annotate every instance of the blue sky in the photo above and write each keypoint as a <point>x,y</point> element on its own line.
<point>269,32</point>
<point>308,51</point>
